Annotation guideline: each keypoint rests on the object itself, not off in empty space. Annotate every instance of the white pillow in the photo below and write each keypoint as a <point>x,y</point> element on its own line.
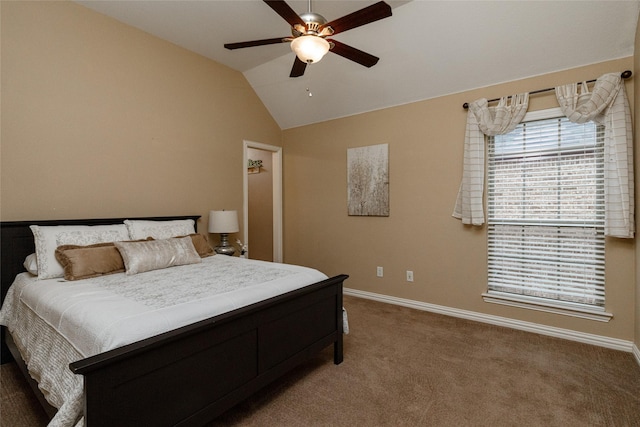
<point>31,264</point>
<point>48,238</point>
<point>150,255</point>
<point>141,229</point>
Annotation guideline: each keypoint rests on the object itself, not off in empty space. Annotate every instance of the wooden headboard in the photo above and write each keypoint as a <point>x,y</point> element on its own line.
<point>16,242</point>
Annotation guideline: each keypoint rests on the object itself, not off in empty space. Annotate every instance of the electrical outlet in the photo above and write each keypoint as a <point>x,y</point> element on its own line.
<point>379,271</point>
<point>409,276</point>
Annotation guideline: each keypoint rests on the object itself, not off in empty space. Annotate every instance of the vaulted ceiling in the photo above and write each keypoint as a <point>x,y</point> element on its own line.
<point>426,49</point>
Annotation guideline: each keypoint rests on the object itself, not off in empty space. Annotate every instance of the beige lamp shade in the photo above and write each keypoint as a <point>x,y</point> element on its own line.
<point>223,222</point>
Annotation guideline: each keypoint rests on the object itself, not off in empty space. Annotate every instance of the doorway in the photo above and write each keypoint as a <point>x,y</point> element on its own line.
<point>262,214</point>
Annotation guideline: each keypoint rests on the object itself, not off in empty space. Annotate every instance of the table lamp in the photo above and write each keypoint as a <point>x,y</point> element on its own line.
<point>224,222</point>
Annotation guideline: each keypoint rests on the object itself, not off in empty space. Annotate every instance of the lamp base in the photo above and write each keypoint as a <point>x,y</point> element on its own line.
<point>224,248</point>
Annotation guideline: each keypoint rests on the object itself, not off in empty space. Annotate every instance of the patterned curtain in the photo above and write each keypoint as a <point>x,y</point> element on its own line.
<point>483,120</point>
<point>607,105</point>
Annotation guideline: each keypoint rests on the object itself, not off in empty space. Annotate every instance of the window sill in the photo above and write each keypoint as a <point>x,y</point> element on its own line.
<point>533,303</point>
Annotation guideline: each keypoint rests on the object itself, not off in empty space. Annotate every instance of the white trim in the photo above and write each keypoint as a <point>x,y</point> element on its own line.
<point>549,113</point>
<point>533,303</point>
<point>599,340</point>
<point>276,158</point>
<point>636,353</point>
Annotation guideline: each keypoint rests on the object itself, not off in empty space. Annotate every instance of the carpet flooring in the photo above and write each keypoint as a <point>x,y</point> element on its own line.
<point>405,367</point>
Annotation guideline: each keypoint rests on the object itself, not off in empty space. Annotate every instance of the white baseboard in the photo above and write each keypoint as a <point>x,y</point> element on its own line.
<point>599,340</point>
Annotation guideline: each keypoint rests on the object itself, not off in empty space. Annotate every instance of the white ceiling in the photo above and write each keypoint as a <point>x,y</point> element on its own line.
<point>426,49</point>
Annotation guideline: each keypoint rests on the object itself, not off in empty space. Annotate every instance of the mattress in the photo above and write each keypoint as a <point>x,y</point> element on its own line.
<point>55,322</point>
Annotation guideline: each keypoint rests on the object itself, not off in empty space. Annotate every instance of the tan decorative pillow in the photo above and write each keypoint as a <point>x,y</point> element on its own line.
<point>139,257</point>
<point>84,262</point>
<point>201,244</point>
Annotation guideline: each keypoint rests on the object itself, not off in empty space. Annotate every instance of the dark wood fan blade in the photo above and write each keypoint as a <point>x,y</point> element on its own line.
<point>364,16</point>
<point>285,11</point>
<point>252,43</point>
<point>298,68</point>
<point>356,55</point>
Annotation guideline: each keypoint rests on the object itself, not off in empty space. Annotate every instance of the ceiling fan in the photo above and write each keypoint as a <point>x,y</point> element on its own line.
<point>310,31</point>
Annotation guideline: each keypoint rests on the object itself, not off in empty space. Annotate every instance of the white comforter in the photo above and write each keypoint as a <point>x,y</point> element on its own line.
<point>55,322</point>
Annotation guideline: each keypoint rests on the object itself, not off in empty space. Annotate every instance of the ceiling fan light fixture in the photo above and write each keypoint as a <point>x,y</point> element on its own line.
<point>310,48</point>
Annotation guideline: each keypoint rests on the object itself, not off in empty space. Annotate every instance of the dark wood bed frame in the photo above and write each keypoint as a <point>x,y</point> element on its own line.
<point>191,375</point>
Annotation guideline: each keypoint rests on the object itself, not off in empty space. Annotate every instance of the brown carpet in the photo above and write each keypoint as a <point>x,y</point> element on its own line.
<point>405,367</point>
<point>18,405</point>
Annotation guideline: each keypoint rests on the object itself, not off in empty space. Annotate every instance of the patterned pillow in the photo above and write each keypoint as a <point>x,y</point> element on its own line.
<point>141,229</point>
<point>157,254</point>
<point>48,238</point>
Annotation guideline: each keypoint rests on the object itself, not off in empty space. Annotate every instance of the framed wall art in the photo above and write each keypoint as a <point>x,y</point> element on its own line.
<point>368,180</point>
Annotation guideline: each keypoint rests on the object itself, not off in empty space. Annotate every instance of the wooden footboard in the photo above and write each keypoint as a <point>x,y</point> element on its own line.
<point>193,374</point>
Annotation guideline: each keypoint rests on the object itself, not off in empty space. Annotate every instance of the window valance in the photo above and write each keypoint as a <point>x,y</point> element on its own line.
<point>607,105</point>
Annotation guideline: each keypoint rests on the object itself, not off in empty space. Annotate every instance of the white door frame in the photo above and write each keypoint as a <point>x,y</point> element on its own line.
<point>276,158</point>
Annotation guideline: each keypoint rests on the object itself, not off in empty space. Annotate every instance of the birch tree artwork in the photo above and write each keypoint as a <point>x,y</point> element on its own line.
<point>368,180</point>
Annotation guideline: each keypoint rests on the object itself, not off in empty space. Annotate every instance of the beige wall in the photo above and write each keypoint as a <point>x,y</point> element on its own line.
<point>425,151</point>
<point>100,119</point>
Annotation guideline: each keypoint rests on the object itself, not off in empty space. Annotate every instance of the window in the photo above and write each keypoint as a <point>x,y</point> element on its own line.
<point>546,216</point>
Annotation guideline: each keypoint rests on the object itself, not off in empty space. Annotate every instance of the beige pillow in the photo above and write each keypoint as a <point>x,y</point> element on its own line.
<point>83,262</point>
<point>139,257</point>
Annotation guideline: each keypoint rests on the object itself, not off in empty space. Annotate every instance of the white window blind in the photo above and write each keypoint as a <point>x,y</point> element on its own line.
<point>546,214</point>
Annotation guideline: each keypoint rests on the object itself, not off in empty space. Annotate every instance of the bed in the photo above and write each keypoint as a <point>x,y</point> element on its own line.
<point>190,375</point>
